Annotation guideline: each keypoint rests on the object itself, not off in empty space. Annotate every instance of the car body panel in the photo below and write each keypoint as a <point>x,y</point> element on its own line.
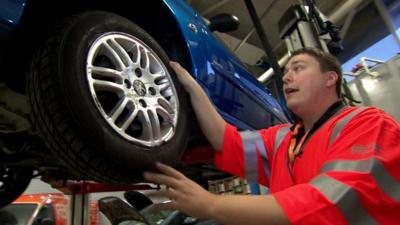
<point>10,15</point>
<point>228,83</point>
<point>11,12</point>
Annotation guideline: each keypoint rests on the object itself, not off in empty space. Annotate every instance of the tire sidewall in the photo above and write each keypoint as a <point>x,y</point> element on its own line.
<point>95,132</point>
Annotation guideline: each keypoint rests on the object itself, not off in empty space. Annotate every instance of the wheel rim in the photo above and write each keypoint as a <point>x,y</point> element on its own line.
<point>132,89</point>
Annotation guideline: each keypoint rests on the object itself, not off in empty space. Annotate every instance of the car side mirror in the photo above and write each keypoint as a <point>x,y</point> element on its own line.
<point>223,23</point>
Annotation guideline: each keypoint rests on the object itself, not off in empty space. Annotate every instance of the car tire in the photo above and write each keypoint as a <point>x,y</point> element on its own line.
<point>97,75</point>
<point>13,182</point>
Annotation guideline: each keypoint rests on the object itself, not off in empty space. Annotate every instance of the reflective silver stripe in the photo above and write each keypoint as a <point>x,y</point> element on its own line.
<point>263,152</point>
<point>280,135</point>
<point>339,125</point>
<point>252,139</point>
<point>345,198</point>
<point>373,166</point>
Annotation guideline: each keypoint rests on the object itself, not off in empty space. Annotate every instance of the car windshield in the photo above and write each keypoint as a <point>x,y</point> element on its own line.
<point>16,214</point>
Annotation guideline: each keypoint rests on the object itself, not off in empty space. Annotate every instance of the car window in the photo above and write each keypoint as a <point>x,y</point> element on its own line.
<point>16,214</point>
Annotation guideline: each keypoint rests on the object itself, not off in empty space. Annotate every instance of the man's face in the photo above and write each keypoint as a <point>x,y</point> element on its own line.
<point>304,83</point>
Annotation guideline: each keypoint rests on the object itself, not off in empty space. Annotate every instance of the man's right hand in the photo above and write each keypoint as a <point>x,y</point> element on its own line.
<point>183,76</point>
<point>211,123</point>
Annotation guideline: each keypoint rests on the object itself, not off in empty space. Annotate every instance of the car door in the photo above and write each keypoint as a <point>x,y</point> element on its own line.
<point>234,91</point>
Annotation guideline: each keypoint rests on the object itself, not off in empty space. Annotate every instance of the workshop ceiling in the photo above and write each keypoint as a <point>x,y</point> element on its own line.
<point>271,11</point>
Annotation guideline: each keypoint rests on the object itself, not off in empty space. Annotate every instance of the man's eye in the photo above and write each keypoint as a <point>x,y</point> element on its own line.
<point>298,68</point>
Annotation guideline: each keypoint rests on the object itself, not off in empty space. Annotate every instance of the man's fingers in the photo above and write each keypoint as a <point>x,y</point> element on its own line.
<point>178,68</point>
<point>169,171</point>
<point>174,65</point>
<point>160,179</point>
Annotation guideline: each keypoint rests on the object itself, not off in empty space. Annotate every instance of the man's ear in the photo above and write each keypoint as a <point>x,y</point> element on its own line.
<point>331,78</point>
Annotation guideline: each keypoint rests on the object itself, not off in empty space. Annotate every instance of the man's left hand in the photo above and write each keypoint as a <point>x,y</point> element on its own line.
<point>186,195</point>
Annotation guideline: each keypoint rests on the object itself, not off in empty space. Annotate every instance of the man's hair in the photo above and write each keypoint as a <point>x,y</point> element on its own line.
<point>327,62</point>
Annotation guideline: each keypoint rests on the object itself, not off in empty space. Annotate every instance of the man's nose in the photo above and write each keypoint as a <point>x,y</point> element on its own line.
<point>287,77</point>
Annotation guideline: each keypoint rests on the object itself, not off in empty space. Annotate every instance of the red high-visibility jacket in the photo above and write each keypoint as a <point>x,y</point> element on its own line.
<point>348,173</point>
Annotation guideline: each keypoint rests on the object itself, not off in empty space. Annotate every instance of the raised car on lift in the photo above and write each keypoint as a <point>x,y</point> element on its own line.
<point>97,99</point>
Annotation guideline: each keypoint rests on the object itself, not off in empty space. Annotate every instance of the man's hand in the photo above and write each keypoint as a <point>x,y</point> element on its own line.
<point>187,81</point>
<point>211,123</point>
<point>186,195</point>
<point>191,199</point>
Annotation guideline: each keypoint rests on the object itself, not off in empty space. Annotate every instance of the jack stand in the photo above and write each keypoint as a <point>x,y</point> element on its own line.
<point>80,208</point>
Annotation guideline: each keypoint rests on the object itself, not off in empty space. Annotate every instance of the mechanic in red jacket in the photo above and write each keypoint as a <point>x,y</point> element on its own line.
<point>336,165</point>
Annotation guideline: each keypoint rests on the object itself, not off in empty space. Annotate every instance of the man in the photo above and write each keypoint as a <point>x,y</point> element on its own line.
<point>336,165</point>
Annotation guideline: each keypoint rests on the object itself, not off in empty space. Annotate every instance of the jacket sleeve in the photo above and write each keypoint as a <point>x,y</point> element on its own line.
<point>359,183</point>
<point>246,154</point>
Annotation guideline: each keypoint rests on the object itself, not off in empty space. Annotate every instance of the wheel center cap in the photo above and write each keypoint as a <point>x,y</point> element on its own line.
<point>139,87</point>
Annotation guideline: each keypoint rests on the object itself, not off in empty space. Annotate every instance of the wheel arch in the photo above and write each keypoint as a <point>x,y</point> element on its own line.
<point>38,21</point>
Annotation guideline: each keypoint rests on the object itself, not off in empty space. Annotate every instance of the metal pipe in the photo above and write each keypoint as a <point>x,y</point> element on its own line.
<point>214,7</point>
<point>343,10</point>
<point>268,74</point>
<point>253,29</point>
<point>268,49</point>
<point>387,19</point>
<point>242,42</point>
<point>347,23</point>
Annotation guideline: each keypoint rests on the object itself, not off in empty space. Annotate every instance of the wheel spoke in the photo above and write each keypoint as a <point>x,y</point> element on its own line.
<point>116,112</point>
<point>166,105</point>
<point>146,124</point>
<point>145,61</point>
<point>164,86</point>
<point>155,125</point>
<point>121,52</point>
<point>137,53</point>
<point>106,72</point>
<point>167,93</point>
<point>165,115</point>
<point>158,76</point>
<point>101,85</point>
<point>129,120</point>
<point>114,56</point>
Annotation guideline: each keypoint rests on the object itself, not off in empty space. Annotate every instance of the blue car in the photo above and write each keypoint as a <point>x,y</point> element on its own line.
<point>94,96</point>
